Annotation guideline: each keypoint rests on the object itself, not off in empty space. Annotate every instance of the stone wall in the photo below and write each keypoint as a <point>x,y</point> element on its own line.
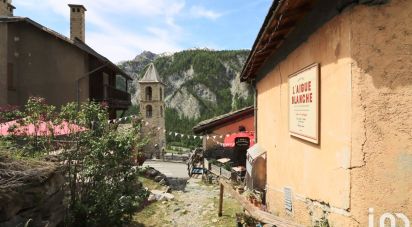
<point>30,191</point>
<point>77,22</point>
<point>5,8</point>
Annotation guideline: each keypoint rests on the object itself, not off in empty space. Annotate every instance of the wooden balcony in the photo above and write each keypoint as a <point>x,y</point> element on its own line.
<point>115,98</point>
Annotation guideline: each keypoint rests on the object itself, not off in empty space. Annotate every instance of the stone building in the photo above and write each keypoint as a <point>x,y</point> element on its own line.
<point>152,109</point>
<point>6,8</point>
<point>333,100</point>
<point>37,61</point>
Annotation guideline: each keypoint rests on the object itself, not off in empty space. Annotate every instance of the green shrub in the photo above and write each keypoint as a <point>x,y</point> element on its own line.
<point>102,181</point>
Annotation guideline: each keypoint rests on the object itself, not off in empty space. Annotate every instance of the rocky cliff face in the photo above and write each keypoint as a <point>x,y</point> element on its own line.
<point>200,83</point>
<point>30,192</point>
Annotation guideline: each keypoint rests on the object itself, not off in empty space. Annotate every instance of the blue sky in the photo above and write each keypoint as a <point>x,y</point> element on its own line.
<point>122,29</point>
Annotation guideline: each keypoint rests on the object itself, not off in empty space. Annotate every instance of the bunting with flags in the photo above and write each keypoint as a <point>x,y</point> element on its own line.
<point>211,138</point>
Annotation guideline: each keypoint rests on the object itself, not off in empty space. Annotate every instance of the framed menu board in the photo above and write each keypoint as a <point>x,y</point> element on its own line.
<point>304,104</point>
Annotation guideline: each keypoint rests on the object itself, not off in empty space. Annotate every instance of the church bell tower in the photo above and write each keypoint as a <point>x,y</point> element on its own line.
<point>152,107</point>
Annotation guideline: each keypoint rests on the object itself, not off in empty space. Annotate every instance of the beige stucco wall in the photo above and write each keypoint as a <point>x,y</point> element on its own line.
<point>3,64</point>
<point>316,172</point>
<point>381,175</point>
<point>44,66</point>
<point>364,156</point>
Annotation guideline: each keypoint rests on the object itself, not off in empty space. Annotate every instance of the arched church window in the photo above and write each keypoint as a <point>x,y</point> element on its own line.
<point>149,111</point>
<point>161,111</point>
<point>148,93</point>
<point>161,94</point>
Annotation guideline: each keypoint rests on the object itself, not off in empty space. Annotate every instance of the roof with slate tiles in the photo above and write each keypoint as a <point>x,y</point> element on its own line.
<point>151,75</point>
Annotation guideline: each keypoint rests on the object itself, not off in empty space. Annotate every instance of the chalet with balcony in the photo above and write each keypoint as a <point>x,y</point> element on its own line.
<point>37,61</point>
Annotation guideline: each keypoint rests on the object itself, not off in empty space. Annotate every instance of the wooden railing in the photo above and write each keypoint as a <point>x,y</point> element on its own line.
<point>220,171</point>
<point>225,173</point>
<point>112,93</point>
<point>114,97</point>
<point>215,169</point>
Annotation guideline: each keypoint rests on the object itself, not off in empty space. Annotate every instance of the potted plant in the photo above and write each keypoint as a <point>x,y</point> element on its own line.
<point>243,219</point>
<point>258,201</point>
<point>249,195</point>
<point>253,200</point>
<point>240,189</point>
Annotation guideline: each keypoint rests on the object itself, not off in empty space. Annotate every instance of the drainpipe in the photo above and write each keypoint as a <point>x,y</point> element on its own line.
<point>253,83</point>
<point>84,76</point>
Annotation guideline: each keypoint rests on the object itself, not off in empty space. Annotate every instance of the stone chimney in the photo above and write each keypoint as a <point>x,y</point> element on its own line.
<point>6,8</point>
<point>77,22</point>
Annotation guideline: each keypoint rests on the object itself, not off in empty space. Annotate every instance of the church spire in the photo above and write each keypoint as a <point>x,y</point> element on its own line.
<point>151,75</point>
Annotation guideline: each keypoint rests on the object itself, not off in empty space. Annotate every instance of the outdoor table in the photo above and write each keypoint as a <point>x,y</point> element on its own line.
<point>223,160</point>
<point>239,168</point>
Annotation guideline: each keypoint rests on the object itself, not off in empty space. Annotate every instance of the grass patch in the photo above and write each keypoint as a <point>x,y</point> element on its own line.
<point>206,185</point>
<point>184,210</point>
<point>230,208</point>
<point>151,216</point>
<point>151,184</point>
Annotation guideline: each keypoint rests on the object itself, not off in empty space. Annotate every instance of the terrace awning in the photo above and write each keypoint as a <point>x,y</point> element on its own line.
<point>230,141</point>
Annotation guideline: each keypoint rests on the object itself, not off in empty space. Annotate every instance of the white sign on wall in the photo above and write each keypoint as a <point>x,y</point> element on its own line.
<point>304,104</point>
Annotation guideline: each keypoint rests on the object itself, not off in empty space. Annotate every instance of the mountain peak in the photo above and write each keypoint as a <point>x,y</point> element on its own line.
<point>145,55</point>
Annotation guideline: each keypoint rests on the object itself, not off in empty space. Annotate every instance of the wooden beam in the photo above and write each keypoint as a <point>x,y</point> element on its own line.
<point>289,17</point>
<point>280,31</point>
<point>221,200</point>
<point>283,25</point>
<point>273,42</point>
<point>258,62</point>
<point>297,11</point>
<point>255,64</point>
<point>263,53</point>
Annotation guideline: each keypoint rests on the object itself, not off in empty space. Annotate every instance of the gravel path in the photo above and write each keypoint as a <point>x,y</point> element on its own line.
<point>170,169</point>
<point>196,206</point>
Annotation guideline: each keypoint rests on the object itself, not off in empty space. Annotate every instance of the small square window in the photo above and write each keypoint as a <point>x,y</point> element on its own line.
<point>73,10</point>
